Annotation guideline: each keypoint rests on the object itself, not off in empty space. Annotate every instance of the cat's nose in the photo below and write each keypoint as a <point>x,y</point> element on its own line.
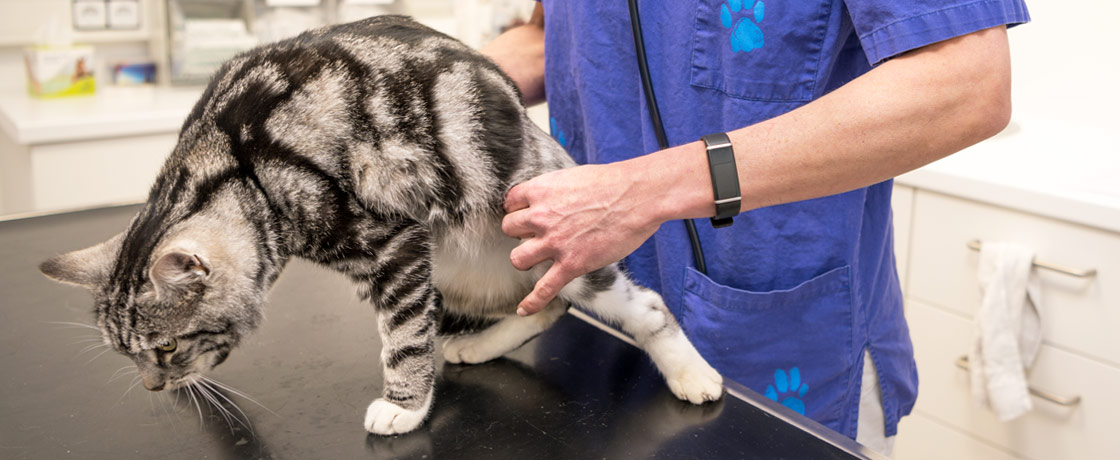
<point>153,385</point>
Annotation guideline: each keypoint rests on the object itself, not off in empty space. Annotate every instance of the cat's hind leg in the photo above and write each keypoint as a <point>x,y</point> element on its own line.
<point>641,313</point>
<point>508,334</point>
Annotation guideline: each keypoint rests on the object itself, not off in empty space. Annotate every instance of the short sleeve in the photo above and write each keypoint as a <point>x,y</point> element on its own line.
<point>890,27</point>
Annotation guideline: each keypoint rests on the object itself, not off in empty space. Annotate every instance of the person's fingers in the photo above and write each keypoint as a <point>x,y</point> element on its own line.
<point>516,199</point>
<point>516,225</point>
<point>546,289</point>
<point>529,253</point>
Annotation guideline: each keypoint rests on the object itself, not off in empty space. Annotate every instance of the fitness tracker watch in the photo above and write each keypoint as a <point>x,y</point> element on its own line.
<point>725,178</point>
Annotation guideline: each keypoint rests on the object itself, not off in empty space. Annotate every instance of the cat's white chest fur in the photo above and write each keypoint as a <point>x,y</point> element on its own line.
<point>473,272</point>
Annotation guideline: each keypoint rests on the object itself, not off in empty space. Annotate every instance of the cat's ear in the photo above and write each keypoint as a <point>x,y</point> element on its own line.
<point>178,271</point>
<point>87,267</point>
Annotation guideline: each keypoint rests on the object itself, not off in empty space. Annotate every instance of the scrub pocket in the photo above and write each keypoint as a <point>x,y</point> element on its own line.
<point>794,346</point>
<point>764,50</point>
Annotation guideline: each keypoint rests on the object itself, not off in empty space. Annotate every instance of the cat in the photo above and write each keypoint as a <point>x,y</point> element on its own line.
<point>381,149</point>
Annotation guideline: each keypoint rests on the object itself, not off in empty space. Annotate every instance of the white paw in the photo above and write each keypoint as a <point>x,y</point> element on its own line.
<point>696,383</point>
<point>469,349</point>
<point>386,418</point>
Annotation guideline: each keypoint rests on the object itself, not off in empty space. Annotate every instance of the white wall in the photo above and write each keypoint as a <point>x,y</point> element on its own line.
<point>1065,62</point>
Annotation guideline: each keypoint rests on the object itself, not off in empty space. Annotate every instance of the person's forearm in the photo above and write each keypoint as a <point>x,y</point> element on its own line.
<point>519,52</point>
<point>904,114</point>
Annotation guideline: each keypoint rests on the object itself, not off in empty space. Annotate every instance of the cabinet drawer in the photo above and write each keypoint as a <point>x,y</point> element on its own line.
<point>1049,431</point>
<point>923,438</point>
<point>1081,314</point>
<point>902,205</point>
<point>96,172</point>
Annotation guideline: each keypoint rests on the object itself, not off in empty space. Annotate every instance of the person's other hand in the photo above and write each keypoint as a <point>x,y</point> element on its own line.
<point>582,219</point>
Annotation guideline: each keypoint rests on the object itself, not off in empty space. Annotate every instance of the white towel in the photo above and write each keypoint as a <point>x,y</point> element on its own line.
<point>1008,329</point>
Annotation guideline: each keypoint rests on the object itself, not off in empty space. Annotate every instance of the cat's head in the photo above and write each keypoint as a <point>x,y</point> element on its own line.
<point>177,312</point>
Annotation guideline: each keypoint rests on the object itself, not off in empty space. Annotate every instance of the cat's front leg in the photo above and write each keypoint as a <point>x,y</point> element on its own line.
<point>396,277</point>
<point>408,364</point>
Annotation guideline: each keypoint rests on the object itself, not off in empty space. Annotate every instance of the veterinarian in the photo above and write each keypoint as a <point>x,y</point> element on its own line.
<point>823,103</point>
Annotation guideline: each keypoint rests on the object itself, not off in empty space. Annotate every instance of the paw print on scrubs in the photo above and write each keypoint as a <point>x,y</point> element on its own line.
<point>788,389</point>
<point>557,133</point>
<point>745,34</point>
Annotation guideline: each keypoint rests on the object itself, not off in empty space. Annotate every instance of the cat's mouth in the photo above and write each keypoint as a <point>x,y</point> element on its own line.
<point>184,381</point>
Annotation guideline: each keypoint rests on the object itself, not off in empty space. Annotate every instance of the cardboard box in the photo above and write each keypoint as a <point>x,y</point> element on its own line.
<point>59,71</point>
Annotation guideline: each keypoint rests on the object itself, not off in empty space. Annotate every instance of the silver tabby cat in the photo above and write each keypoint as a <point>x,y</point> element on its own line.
<point>381,149</point>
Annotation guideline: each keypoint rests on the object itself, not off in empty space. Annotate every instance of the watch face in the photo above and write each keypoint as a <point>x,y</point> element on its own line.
<point>725,178</point>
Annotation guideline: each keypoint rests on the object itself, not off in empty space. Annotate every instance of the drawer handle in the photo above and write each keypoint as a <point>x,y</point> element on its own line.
<point>975,246</point>
<point>962,363</point>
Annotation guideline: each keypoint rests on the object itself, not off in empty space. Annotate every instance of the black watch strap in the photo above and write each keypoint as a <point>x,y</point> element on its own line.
<point>725,178</point>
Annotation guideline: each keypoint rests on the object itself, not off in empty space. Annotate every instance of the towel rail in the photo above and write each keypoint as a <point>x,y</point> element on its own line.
<point>962,363</point>
<point>1089,273</point>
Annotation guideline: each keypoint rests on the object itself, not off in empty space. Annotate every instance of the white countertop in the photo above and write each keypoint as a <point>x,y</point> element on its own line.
<point>112,112</point>
<point>1049,167</point>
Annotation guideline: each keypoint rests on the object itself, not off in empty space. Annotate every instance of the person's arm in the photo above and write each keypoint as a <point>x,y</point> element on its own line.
<point>907,112</point>
<point>519,52</point>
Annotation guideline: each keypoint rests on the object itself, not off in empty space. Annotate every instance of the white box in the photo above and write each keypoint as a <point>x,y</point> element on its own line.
<point>124,14</point>
<point>89,14</point>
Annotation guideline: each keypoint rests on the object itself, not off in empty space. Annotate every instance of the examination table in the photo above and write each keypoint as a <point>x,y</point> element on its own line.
<point>575,392</point>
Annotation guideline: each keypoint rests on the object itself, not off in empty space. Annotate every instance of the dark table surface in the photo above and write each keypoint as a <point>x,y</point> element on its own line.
<point>574,392</point>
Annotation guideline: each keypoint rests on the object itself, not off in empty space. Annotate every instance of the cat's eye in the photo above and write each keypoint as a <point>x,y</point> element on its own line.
<point>167,345</point>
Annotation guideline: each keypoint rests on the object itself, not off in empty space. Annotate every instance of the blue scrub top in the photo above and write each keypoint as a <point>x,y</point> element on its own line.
<point>794,293</point>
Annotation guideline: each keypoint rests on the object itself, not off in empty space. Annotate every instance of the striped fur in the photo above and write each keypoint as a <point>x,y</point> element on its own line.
<point>381,149</point>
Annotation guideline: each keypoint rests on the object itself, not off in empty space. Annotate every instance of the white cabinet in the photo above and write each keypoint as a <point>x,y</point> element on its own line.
<point>1080,356</point>
<point>1049,431</point>
<point>89,151</point>
<point>77,174</point>
<point>923,438</point>
<point>1080,314</point>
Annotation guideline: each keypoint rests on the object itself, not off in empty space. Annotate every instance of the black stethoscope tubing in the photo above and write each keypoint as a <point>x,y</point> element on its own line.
<point>655,118</point>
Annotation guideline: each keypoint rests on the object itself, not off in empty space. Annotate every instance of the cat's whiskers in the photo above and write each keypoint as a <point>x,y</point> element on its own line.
<point>212,396</point>
<point>73,324</point>
<point>227,387</point>
<point>88,339</point>
<point>151,405</point>
<point>106,350</point>
<point>118,373</point>
<point>176,403</point>
<point>92,347</point>
<point>133,372</point>
<point>135,381</point>
<point>190,394</point>
<point>221,410</point>
<point>248,424</point>
<point>163,404</point>
<point>174,412</point>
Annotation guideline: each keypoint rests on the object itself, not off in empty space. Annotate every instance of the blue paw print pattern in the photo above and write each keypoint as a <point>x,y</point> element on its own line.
<point>745,34</point>
<point>557,133</point>
<point>788,389</point>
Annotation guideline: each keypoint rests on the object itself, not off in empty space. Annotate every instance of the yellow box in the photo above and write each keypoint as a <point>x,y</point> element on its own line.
<point>54,71</point>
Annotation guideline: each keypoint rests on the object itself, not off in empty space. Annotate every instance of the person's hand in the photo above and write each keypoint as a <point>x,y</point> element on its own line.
<point>582,219</point>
